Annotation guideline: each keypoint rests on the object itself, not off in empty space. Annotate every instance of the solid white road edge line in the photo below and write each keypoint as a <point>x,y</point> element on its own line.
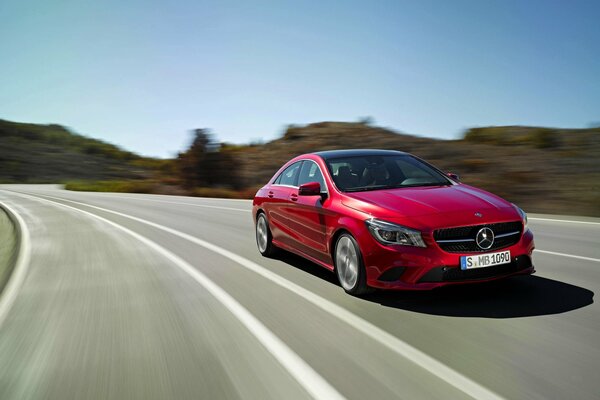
<point>563,220</point>
<point>142,197</point>
<point>169,196</point>
<point>186,204</point>
<point>9,294</point>
<point>307,377</point>
<point>567,255</point>
<point>435,367</point>
<point>243,210</point>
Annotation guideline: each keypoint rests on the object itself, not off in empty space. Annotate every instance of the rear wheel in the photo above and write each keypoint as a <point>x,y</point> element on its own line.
<point>264,239</point>
<point>349,266</point>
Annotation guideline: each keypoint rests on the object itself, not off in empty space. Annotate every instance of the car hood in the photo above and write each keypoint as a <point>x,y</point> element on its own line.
<point>424,205</point>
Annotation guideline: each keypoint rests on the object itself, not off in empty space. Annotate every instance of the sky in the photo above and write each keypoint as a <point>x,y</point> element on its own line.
<point>143,74</point>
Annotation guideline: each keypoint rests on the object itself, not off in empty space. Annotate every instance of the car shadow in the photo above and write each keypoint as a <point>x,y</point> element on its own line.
<point>307,266</point>
<point>514,297</point>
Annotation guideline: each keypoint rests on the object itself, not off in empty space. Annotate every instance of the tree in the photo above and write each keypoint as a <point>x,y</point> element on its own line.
<point>204,164</point>
<point>190,161</point>
<point>369,121</point>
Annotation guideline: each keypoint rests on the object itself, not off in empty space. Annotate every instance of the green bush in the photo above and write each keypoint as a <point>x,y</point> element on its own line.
<point>491,135</point>
<point>223,193</point>
<point>544,138</point>
<point>112,186</point>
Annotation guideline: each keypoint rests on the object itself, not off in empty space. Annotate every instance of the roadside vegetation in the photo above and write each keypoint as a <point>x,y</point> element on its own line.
<point>141,186</point>
<point>544,170</point>
<point>31,153</point>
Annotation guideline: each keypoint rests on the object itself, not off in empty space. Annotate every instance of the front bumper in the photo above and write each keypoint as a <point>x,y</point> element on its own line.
<point>414,268</point>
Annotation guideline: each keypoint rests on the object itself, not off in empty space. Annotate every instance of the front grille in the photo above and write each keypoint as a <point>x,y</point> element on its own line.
<point>462,239</point>
<point>453,274</point>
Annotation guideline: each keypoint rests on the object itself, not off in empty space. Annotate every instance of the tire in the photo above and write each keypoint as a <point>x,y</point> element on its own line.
<point>264,239</point>
<point>349,266</point>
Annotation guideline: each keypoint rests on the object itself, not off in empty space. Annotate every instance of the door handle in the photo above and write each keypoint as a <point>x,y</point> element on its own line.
<point>270,194</point>
<point>294,197</point>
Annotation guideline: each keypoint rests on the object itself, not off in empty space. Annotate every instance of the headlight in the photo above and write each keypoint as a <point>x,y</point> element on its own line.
<point>388,233</point>
<point>523,217</point>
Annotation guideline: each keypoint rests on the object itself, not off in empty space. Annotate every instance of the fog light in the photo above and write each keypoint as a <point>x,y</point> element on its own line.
<point>392,274</point>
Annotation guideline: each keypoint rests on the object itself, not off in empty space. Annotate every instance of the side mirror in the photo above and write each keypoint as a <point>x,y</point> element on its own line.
<point>309,189</point>
<point>453,176</point>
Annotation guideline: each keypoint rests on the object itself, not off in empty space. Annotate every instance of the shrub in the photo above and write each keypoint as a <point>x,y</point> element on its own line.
<point>112,186</point>
<point>224,193</point>
<point>544,138</point>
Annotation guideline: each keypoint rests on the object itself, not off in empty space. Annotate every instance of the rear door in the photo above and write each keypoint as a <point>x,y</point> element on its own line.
<point>279,194</point>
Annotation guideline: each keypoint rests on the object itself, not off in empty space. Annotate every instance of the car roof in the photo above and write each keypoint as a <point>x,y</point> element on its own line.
<point>329,154</point>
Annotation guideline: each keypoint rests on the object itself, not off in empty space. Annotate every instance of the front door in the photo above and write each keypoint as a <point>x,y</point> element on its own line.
<point>308,215</point>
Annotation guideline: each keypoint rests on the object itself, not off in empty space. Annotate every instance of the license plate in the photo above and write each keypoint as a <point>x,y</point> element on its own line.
<point>485,260</point>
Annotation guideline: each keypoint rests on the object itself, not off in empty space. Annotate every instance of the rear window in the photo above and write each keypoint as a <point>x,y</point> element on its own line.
<point>289,176</point>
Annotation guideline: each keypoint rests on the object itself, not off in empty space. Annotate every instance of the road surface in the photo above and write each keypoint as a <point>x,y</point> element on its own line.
<point>131,296</point>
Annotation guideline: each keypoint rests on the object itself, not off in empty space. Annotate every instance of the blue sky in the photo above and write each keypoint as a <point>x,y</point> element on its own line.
<point>142,74</point>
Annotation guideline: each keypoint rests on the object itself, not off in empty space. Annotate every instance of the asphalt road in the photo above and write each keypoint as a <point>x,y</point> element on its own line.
<point>128,296</point>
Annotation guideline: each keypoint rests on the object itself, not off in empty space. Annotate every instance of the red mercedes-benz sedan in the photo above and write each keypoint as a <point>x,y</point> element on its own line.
<point>389,220</point>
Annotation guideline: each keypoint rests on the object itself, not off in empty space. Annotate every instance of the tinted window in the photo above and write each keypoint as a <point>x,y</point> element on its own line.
<point>310,172</point>
<point>289,176</point>
<point>360,173</point>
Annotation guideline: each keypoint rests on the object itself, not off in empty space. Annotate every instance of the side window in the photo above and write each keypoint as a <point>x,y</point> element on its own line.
<point>310,172</point>
<point>289,176</point>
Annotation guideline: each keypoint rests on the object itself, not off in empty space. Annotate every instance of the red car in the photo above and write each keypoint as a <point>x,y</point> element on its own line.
<point>389,220</point>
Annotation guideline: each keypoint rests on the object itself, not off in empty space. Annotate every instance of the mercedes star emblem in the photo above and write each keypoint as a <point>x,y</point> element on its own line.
<point>485,238</point>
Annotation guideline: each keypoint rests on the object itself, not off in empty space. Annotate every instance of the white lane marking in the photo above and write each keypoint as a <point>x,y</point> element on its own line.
<point>567,255</point>
<point>185,204</point>
<point>563,220</point>
<point>139,197</point>
<point>307,377</point>
<point>442,371</point>
<point>9,294</point>
<point>243,210</point>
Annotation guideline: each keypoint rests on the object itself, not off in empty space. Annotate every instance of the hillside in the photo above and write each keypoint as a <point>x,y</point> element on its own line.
<point>543,170</point>
<point>51,153</point>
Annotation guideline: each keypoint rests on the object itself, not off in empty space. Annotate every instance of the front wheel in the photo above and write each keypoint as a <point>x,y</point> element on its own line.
<point>349,266</point>
<point>264,239</point>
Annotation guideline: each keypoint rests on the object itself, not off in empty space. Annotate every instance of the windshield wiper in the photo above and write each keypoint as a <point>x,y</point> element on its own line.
<point>425,184</point>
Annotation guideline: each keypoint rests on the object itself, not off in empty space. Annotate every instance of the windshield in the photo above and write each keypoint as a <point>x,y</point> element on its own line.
<point>362,173</point>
